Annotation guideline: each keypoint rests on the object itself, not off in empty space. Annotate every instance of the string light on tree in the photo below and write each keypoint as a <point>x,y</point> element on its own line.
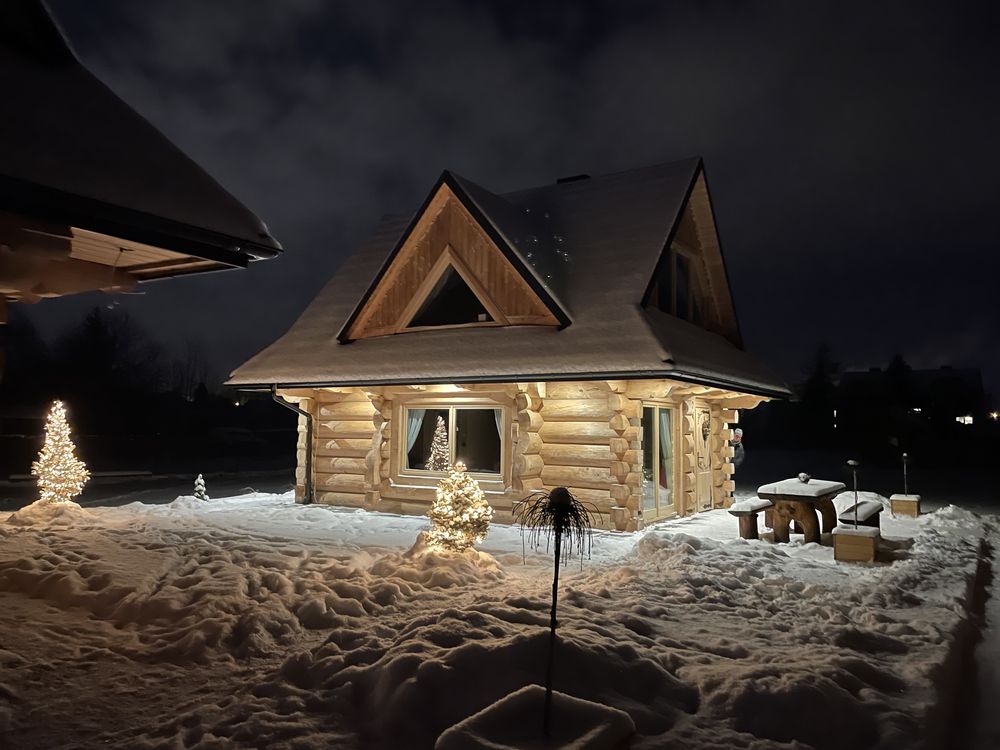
<point>61,475</point>
<point>440,457</point>
<point>460,515</point>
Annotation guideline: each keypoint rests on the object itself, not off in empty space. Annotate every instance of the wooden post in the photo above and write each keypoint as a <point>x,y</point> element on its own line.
<point>547,717</point>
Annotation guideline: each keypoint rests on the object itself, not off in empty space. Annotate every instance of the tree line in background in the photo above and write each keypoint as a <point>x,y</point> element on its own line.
<point>133,404</point>
<point>942,415</point>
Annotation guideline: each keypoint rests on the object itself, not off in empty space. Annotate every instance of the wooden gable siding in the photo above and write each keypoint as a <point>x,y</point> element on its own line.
<point>446,223</point>
<point>697,230</point>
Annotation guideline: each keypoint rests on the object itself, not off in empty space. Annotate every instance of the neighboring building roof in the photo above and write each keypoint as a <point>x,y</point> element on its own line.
<point>76,154</point>
<point>594,243</point>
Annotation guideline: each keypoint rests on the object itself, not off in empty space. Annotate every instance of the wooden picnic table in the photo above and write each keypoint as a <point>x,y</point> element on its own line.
<point>795,500</point>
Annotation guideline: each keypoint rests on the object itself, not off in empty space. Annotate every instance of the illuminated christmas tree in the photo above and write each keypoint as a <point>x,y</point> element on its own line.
<point>200,492</point>
<point>61,475</point>
<point>439,458</point>
<point>460,516</point>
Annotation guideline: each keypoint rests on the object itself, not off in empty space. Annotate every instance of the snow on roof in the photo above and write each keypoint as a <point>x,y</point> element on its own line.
<point>593,244</point>
<point>75,153</point>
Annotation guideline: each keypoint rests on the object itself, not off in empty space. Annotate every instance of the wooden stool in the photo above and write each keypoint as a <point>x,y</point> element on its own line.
<point>746,511</point>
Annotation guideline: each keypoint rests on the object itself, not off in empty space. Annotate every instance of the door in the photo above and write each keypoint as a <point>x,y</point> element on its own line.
<point>703,456</point>
<point>657,462</point>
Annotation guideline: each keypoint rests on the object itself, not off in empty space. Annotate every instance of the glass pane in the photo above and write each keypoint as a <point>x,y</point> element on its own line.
<point>477,439</point>
<point>664,476</point>
<point>662,286</point>
<point>450,302</point>
<point>683,287</point>
<point>419,426</point>
<point>648,458</point>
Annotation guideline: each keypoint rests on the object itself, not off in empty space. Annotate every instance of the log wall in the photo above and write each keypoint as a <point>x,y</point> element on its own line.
<point>585,435</point>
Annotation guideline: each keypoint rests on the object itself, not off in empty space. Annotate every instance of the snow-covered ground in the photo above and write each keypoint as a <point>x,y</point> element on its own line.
<point>254,622</point>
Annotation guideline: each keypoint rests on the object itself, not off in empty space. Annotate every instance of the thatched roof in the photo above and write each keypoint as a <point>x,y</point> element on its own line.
<point>593,243</point>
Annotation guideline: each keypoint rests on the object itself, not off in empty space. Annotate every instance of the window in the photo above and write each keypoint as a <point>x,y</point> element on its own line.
<point>472,435</point>
<point>450,302</point>
<point>657,461</point>
<point>677,288</point>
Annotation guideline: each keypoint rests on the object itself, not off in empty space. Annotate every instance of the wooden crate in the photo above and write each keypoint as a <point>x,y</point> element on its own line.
<point>850,545</point>
<point>907,506</point>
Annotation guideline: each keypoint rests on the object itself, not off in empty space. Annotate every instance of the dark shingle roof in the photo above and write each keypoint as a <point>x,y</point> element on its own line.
<point>594,243</point>
<point>73,152</point>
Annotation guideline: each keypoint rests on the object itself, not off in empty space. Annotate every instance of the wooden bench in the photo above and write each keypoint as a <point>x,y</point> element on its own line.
<point>746,511</point>
<point>868,514</point>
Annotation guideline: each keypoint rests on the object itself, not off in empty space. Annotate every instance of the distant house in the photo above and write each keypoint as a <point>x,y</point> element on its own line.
<point>91,195</point>
<point>580,333</point>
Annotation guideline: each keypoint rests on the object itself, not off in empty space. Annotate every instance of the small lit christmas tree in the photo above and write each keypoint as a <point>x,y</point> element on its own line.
<point>460,516</point>
<point>61,475</point>
<point>199,488</point>
<point>439,458</point>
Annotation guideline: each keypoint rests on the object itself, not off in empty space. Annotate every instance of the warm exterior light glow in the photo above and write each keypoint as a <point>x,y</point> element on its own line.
<point>995,415</point>
<point>460,516</point>
<point>964,419</point>
<point>61,475</point>
<point>439,458</point>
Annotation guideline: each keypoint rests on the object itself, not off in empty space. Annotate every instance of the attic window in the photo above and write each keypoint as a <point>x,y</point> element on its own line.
<point>450,302</point>
<point>677,288</point>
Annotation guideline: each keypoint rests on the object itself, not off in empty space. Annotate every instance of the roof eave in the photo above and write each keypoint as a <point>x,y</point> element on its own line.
<point>48,204</point>
<point>773,391</point>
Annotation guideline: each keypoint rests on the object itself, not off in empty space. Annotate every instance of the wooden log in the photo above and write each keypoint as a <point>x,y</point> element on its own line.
<point>620,493</point>
<point>529,421</point>
<point>351,429</point>
<point>346,410</point>
<point>619,423</point>
<point>528,484</point>
<point>619,446</point>
<point>341,483</point>
<point>339,465</point>
<point>580,433</point>
<point>600,498</point>
<point>569,454</point>
<point>577,476</point>
<point>619,470</point>
<point>528,465</point>
<point>346,447</point>
<point>576,389</point>
<point>633,479</point>
<point>524,401</point>
<point>350,499</point>
<point>729,416</point>
<point>574,410</point>
<point>529,442</point>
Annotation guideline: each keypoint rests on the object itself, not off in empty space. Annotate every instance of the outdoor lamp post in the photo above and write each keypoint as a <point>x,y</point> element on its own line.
<point>906,488</point>
<point>854,471</point>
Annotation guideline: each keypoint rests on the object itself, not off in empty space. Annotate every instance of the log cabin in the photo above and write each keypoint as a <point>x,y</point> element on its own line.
<point>577,334</point>
<point>92,196</point>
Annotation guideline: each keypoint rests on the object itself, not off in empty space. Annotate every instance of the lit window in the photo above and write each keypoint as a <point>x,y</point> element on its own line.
<point>916,410</point>
<point>677,287</point>
<point>473,435</point>
<point>657,461</point>
<point>964,419</point>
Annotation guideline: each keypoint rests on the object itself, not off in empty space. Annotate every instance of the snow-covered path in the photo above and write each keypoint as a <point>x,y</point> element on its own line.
<point>254,622</point>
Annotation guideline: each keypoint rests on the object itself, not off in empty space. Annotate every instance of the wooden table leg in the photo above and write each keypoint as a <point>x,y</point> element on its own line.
<point>780,518</point>
<point>806,516</point>
<point>829,513</point>
<point>748,526</point>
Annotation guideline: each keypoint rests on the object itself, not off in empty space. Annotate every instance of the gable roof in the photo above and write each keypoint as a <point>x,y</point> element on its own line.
<point>75,153</point>
<point>594,245</point>
<point>492,214</point>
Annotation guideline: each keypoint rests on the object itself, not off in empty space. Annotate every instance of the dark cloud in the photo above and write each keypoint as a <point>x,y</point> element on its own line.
<point>851,147</point>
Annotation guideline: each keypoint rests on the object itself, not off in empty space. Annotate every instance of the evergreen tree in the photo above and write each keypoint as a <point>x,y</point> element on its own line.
<point>199,488</point>
<point>460,515</point>
<point>61,475</point>
<point>439,458</point>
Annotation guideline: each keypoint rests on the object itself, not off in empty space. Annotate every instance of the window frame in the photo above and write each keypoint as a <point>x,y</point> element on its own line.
<point>663,511</point>
<point>405,475</point>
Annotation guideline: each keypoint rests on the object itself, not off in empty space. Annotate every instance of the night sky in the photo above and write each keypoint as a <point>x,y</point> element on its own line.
<point>851,148</point>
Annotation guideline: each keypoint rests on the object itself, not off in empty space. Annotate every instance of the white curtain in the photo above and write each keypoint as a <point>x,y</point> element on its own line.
<point>665,443</point>
<point>498,416</point>
<point>414,421</point>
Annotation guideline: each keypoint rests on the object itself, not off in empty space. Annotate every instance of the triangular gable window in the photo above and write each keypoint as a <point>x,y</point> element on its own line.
<point>451,302</point>
<point>447,271</point>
